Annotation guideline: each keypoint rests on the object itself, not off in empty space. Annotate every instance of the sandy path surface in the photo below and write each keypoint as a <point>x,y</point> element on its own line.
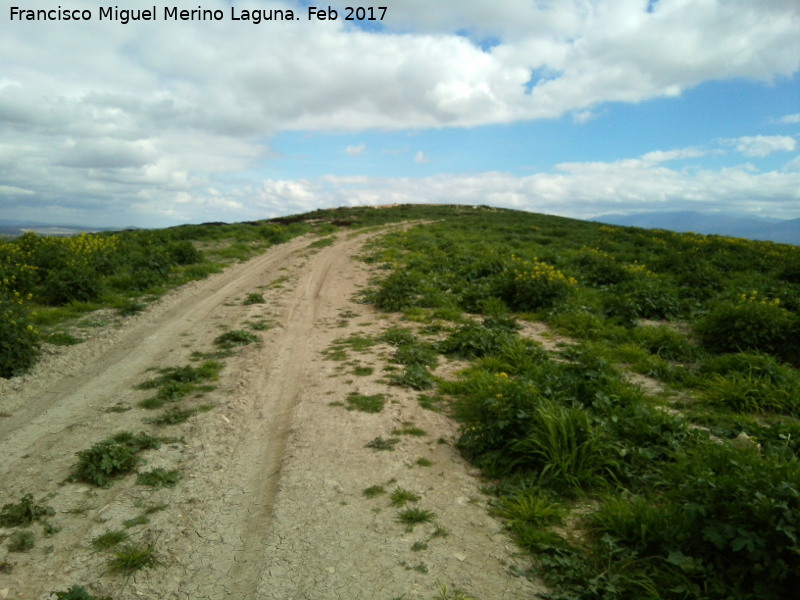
<point>270,504</point>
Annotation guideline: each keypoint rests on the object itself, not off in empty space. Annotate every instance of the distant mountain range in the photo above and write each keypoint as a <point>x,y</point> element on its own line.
<point>735,225</point>
<point>16,228</point>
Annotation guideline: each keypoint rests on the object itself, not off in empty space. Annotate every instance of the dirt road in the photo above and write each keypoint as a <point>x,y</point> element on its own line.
<point>271,503</point>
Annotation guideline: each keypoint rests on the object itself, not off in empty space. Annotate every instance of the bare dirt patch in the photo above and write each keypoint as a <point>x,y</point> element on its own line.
<point>271,499</point>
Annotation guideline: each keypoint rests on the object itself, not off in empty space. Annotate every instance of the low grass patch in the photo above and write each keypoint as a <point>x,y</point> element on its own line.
<point>381,444</point>
<point>373,491</point>
<point>401,497</point>
<point>369,404</point>
<point>234,339</point>
<point>109,540</point>
<point>414,516</point>
<point>131,559</point>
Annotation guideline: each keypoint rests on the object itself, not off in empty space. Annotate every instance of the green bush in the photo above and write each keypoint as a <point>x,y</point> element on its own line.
<point>534,285</point>
<point>19,340</point>
<point>751,324</point>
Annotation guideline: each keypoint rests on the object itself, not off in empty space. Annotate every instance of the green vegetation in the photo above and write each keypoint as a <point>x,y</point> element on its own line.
<point>381,444</point>
<point>24,513</point>
<point>232,339</point>
<point>109,540</point>
<point>21,541</point>
<point>175,383</point>
<point>370,404</point>
<point>112,458</point>
<point>159,478</point>
<point>401,497</point>
<point>76,592</point>
<point>130,559</point>
<point>683,492</point>
<point>414,516</point>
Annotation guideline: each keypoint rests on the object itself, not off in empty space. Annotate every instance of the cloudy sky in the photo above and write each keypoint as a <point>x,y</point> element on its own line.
<point>571,107</point>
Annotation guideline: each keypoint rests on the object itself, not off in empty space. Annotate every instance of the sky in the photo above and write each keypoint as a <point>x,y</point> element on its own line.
<point>577,108</point>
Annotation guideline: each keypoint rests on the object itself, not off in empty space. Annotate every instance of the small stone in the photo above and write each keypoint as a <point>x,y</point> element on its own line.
<point>330,570</point>
<point>460,556</point>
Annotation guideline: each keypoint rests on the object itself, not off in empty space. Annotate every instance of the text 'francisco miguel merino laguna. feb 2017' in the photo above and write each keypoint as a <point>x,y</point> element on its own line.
<point>175,13</point>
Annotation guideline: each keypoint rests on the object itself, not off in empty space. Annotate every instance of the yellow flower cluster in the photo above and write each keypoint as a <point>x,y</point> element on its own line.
<point>539,272</point>
<point>755,298</point>
<point>639,270</point>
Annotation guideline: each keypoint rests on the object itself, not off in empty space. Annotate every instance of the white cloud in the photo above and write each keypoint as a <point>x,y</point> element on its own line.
<point>420,157</point>
<point>763,145</point>
<point>356,150</point>
<point>123,119</point>
<point>790,119</point>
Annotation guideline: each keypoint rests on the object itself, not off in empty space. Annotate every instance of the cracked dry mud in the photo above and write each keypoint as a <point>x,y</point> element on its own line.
<point>271,503</point>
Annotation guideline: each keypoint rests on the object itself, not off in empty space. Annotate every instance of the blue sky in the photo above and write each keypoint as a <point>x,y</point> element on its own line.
<point>577,107</point>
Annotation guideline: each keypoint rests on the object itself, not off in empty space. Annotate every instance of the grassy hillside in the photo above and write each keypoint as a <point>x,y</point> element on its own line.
<point>650,452</point>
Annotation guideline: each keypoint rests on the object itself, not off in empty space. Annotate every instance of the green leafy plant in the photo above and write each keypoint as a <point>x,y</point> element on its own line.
<point>159,478</point>
<point>104,462</point>
<point>24,513</point>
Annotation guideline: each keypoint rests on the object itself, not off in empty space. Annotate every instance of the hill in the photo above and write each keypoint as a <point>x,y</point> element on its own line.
<point>743,226</point>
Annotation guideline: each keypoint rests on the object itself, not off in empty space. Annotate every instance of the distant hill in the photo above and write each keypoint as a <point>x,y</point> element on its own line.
<point>17,228</point>
<point>744,226</point>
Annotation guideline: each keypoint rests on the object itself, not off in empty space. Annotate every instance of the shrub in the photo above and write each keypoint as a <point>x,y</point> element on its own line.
<point>19,340</point>
<point>105,461</point>
<point>753,323</point>
<point>23,513</point>
<point>534,285</point>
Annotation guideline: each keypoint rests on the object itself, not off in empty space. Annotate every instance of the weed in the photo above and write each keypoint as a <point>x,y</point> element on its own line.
<point>414,516</point>
<point>76,592</point>
<point>445,594</point>
<point>233,339</point>
<point>130,559</point>
<point>253,298</point>
<point>414,376</point>
<point>424,462</point>
<point>103,462</point>
<point>176,416</point>
<point>109,540</point>
<point>369,404</point>
<point>410,429</point>
<point>6,567</point>
<point>21,541</point>
<point>260,325</point>
<point>381,444</point>
<point>135,521</point>
<point>374,491</point>
<point>363,371</point>
<point>401,497</point>
<point>24,513</point>
<point>49,529</point>
<point>159,478</point>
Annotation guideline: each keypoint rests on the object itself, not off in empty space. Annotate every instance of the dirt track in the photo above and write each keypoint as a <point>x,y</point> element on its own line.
<point>270,504</point>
